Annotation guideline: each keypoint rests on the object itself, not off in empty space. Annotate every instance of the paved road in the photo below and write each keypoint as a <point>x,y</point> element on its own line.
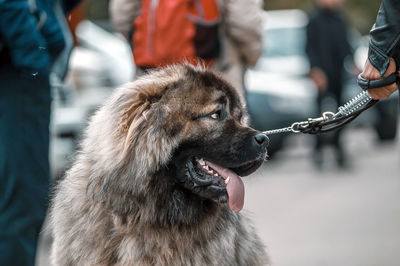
<point>333,217</point>
<point>326,218</point>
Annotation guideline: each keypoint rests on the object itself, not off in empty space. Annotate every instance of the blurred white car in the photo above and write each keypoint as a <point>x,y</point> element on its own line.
<point>102,62</point>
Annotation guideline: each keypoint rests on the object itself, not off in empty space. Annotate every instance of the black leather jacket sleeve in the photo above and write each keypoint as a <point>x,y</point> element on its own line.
<point>385,36</point>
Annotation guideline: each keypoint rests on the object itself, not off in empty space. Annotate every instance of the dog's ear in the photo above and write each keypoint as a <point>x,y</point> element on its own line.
<point>141,104</point>
<point>134,118</point>
<point>142,126</point>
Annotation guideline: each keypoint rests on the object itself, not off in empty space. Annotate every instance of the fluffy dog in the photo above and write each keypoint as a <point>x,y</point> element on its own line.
<point>157,179</point>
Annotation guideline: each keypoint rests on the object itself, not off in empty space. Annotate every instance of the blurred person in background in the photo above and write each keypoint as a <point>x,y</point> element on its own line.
<point>327,47</point>
<point>237,28</point>
<point>384,48</point>
<point>33,41</point>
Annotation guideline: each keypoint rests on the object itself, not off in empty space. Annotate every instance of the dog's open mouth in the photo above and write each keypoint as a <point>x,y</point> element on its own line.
<point>221,180</point>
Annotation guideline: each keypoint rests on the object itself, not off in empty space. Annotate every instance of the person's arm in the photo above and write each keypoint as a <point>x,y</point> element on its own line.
<point>19,32</point>
<point>243,22</point>
<point>122,15</point>
<point>311,44</point>
<point>385,35</point>
<point>316,74</point>
<point>384,45</point>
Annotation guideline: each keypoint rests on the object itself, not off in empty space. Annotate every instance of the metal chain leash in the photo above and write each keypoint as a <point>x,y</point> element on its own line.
<point>278,131</point>
<point>345,114</point>
<point>298,126</point>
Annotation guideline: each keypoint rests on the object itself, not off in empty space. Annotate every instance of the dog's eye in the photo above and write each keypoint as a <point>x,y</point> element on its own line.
<point>216,115</point>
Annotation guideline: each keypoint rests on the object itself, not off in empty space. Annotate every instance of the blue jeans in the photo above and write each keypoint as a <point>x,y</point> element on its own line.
<point>24,165</point>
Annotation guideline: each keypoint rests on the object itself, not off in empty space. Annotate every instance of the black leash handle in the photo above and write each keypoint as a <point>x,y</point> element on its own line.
<point>367,84</point>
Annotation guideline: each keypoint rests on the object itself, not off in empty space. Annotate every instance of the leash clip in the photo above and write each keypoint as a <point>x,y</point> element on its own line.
<point>297,127</point>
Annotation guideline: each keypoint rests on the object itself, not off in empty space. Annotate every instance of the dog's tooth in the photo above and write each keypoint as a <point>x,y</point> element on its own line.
<point>227,180</point>
<point>215,174</point>
<point>206,167</point>
<point>201,161</point>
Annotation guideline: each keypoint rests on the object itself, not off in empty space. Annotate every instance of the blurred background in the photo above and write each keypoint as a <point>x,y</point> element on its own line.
<point>306,214</point>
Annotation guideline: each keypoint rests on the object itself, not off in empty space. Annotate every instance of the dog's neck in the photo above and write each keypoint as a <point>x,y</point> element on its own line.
<point>167,205</point>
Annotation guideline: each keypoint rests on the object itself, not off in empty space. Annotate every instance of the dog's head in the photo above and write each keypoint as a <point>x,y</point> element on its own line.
<point>216,146</point>
<point>189,126</point>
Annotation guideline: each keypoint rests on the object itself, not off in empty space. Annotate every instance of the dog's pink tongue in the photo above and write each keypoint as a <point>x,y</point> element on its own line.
<point>235,187</point>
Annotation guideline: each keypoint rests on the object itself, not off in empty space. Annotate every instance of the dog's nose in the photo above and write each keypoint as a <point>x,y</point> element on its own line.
<point>261,139</point>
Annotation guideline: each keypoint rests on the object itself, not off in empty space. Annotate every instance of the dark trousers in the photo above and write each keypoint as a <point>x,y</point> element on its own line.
<point>329,100</point>
<point>24,165</point>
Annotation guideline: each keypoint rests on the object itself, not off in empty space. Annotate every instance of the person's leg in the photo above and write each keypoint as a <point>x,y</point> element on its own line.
<point>24,167</point>
<point>340,153</point>
<point>319,141</point>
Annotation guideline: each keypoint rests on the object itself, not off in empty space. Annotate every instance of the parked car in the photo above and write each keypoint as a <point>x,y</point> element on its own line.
<point>279,91</point>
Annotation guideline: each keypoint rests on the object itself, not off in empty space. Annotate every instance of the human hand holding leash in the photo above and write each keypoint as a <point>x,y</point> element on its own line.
<point>371,73</point>
<point>319,78</point>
